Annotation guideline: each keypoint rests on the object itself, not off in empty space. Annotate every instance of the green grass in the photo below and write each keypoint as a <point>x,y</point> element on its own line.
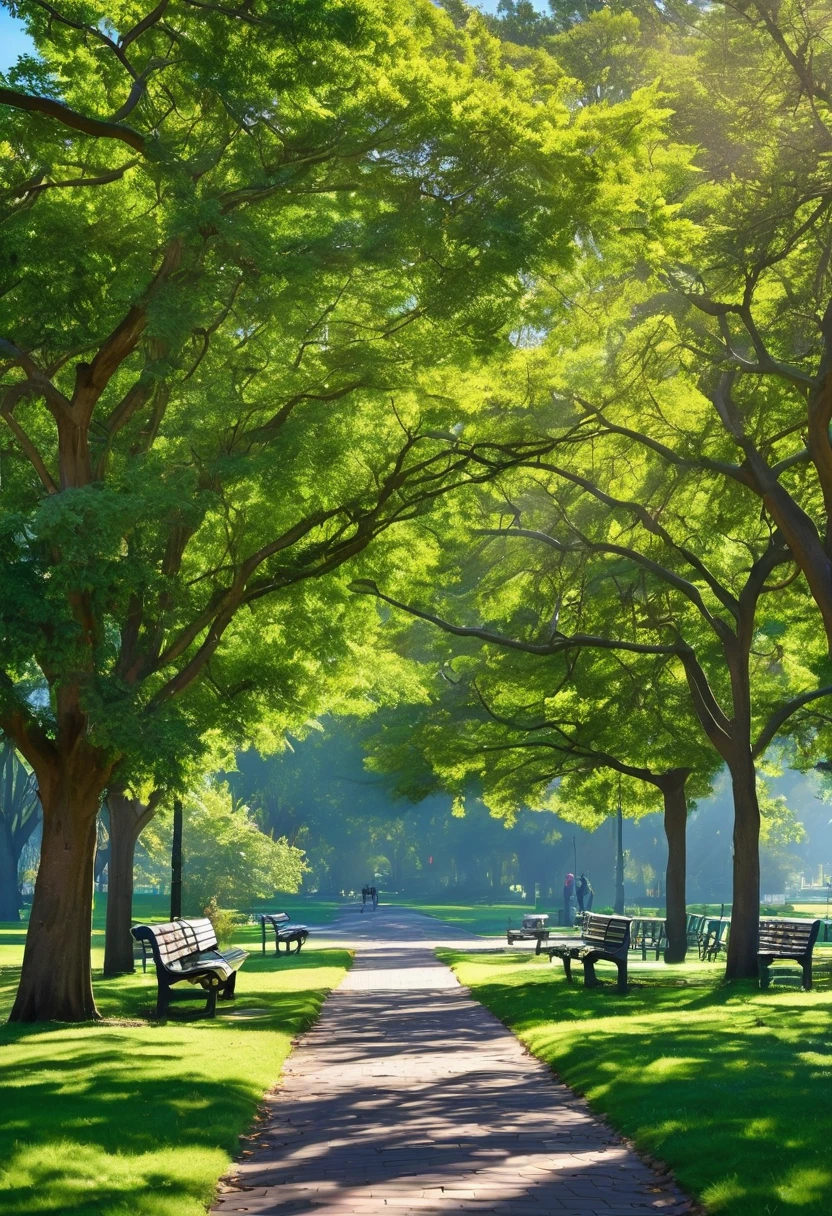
<point>488,920</point>
<point>728,1085</point>
<point>134,1118</point>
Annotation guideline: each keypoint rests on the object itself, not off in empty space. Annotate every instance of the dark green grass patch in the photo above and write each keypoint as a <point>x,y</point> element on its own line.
<point>135,1118</point>
<point>732,1087</point>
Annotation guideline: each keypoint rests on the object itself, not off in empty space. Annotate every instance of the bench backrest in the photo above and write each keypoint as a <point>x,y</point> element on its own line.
<point>791,936</point>
<point>274,918</point>
<point>178,939</point>
<point>607,932</point>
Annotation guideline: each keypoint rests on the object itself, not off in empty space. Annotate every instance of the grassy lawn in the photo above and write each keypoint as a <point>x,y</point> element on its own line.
<point>131,1118</point>
<point>729,1086</point>
<point>488,920</point>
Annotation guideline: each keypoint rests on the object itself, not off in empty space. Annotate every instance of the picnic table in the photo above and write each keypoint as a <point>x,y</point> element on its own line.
<point>534,928</point>
<point>648,933</point>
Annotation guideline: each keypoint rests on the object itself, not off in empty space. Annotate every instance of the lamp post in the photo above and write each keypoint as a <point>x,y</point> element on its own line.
<point>619,859</point>
<point>176,862</point>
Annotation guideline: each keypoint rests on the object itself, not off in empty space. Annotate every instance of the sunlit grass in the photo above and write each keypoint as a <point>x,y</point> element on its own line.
<point>729,1085</point>
<point>135,1118</point>
<point>487,920</point>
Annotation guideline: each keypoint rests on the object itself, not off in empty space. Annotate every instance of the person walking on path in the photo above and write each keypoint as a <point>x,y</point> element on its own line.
<point>568,893</point>
<point>584,894</point>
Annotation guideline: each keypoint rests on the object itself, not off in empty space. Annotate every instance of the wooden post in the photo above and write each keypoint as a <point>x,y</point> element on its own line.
<point>176,862</point>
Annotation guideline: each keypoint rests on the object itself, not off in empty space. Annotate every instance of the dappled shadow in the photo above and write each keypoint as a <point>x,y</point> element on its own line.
<point>133,1116</point>
<point>683,1069</point>
<point>420,1096</point>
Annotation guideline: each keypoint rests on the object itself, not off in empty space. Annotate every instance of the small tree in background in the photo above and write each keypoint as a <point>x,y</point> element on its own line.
<point>19,816</point>
<point>225,855</point>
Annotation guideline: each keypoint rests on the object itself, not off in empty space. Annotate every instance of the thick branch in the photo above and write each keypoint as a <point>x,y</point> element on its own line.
<point>559,642</point>
<point>97,127</point>
<point>782,715</point>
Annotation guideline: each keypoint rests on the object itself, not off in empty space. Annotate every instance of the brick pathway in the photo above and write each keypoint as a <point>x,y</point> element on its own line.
<point>408,1096</point>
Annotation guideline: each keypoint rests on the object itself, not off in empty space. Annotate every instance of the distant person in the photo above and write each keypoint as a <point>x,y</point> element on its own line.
<point>365,895</point>
<point>568,895</point>
<point>374,897</point>
<point>584,894</point>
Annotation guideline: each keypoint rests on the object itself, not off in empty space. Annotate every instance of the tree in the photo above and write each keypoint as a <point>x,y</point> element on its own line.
<point>19,815</point>
<point>732,314</point>
<point>634,569</point>
<point>226,855</point>
<point>534,731</point>
<point>231,237</point>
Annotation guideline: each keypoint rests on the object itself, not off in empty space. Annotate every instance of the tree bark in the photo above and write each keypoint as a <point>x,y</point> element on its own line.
<point>128,816</point>
<point>9,890</point>
<point>743,939</point>
<point>675,828</point>
<point>56,979</point>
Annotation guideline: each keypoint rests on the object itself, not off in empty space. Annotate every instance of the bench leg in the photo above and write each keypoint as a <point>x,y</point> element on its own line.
<point>622,975</point>
<point>211,1003</point>
<point>567,967</point>
<point>807,975</point>
<point>590,978</point>
<point>162,1003</point>
<point>227,993</point>
<point>765,978</point>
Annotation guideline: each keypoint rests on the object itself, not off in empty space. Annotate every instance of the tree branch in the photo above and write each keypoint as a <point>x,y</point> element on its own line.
<point>98,128</point>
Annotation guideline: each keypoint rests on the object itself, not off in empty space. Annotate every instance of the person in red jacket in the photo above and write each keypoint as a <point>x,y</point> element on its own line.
<point>568,895</point>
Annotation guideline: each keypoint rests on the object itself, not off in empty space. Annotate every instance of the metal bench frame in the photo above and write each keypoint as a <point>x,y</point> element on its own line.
<point>187,951</point>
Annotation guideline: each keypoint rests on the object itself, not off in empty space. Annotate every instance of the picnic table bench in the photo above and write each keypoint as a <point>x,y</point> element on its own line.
<point>534,928</point>
<point>284,931</point>
<point>783,938</point>
<point>648,933</point>
<point>187,951</point>
<point>603,939</point>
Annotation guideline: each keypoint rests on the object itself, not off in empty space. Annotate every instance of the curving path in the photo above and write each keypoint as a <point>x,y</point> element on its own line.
<point>407,1096</point>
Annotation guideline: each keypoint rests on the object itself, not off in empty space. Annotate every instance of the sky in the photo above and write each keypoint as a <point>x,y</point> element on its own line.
<point>13,41</point>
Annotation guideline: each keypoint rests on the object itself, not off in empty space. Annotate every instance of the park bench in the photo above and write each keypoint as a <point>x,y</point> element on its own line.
<point>603,939</point>
<point>187,951</point>
<point>284,931</point>
<point>793,940</point>
<point>695,929</point>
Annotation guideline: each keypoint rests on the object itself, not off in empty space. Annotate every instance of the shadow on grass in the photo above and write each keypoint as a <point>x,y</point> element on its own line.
<point>139,1117</point>
<point>728,1084</point>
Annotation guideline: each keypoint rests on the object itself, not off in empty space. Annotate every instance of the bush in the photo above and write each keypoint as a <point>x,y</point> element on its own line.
<point>223,919</point>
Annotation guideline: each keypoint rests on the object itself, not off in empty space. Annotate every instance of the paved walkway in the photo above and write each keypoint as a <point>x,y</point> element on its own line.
<point>408,1096</point>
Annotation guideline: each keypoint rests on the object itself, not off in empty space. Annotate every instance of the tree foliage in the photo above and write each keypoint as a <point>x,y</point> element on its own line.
<point>227,857</point>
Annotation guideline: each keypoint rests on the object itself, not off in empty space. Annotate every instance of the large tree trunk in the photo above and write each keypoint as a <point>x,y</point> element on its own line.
<point>675,828</point>
<point>128,817</point>
<point>9,890</point>
<point>743,939</point>
<point>56,980</point>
